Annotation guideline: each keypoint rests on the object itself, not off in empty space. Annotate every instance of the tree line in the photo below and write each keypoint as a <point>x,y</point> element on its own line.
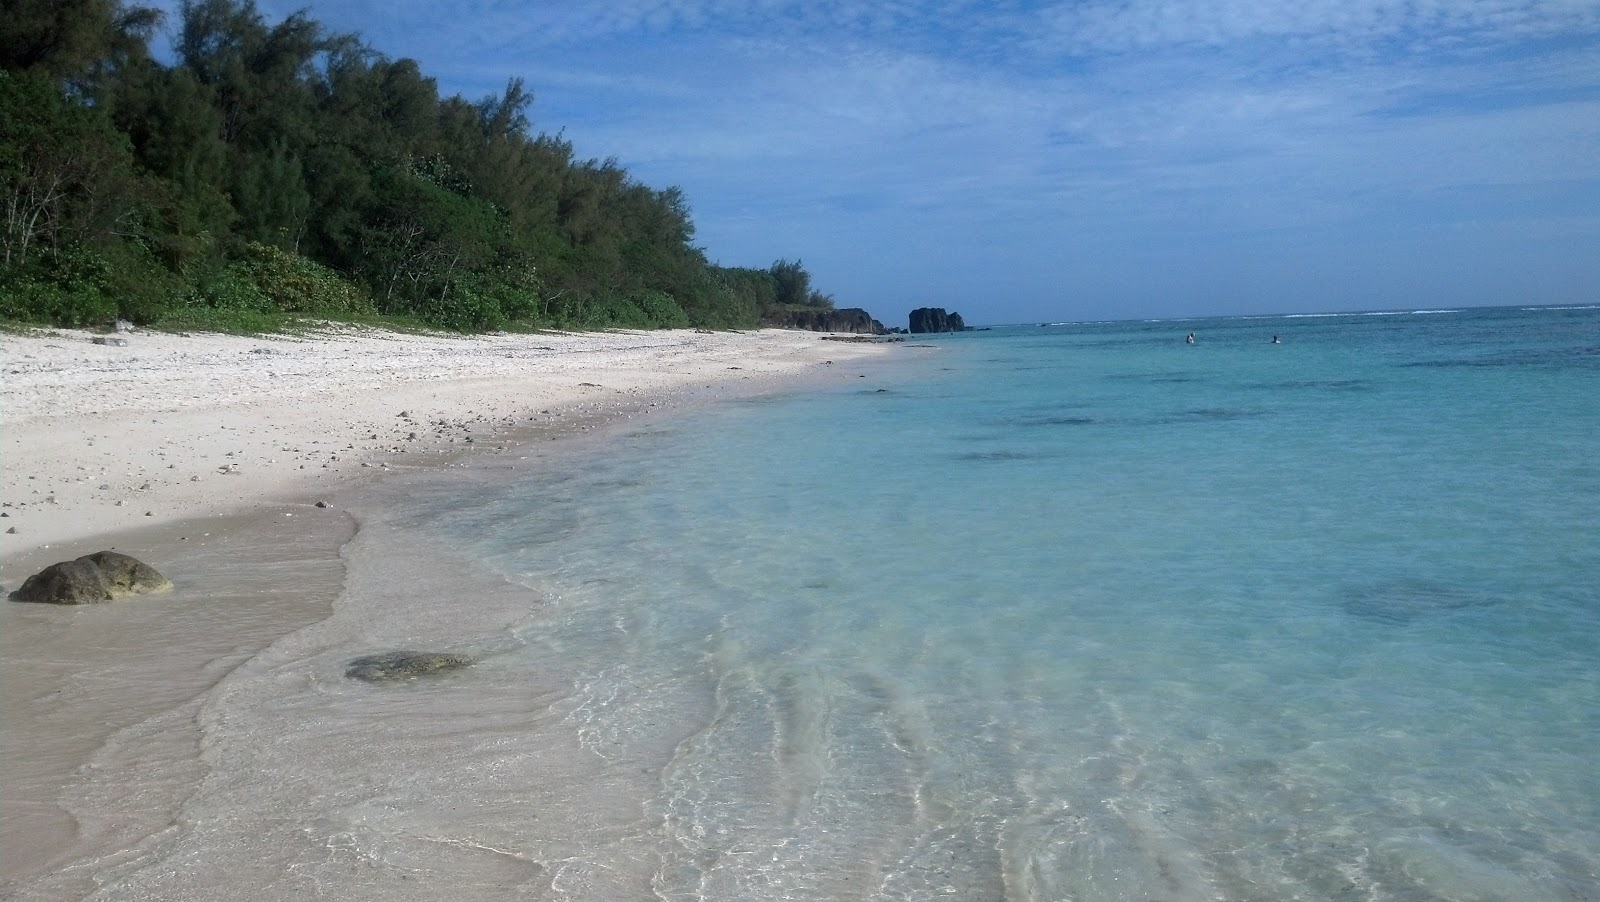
<point>279,170</point>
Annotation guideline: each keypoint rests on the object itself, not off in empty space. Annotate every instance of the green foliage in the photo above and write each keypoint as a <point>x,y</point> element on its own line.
<point>268,278</point>
<point>74,41</point>
<point>279,170</point>
<point>66,174</point>
<point>68,287</point>
<point>220,319</point>
<point>262,288</point>
<point>271,189</point>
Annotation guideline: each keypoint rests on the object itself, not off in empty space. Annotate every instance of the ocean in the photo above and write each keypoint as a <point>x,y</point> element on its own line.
<point>1070,611</point>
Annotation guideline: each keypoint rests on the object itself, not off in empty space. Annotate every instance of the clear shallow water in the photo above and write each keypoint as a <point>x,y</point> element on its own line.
<point>1084,612</point>
<point>1067,612</point>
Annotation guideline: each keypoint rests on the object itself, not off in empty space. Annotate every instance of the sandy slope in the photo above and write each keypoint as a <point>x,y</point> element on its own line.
<point>129,446</point>
<point>95,438</point>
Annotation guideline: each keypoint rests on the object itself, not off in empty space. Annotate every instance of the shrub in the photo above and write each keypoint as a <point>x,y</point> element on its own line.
<point>70,287</point>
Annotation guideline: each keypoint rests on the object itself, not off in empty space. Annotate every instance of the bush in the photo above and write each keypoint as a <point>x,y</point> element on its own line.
<point>267,278</point>
<point>465,308</point>
<point>71,287</point>
<point>661,311</point>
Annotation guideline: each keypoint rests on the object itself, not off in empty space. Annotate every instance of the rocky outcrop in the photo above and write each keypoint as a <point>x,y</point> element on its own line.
<point>851,319</point>
<point>395,666</point>
<point>934,319</point>
<point>92,579</point>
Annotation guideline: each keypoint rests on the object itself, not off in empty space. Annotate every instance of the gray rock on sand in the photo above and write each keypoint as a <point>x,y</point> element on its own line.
<point>394,666</point>
<point>91,579</point>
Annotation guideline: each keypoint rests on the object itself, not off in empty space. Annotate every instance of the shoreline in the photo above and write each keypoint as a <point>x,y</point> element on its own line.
<point>249,439</point>
<point>169,427</point>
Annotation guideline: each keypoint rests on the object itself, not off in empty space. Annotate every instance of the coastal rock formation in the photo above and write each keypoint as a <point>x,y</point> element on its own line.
<point>934,319</point>
<point>394,666</point>
<point>850,319</point>
<point>91,579</point>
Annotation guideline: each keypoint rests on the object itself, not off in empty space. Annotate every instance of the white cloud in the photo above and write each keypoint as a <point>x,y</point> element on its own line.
<point>1041,133</point>
<point>1097,27</point>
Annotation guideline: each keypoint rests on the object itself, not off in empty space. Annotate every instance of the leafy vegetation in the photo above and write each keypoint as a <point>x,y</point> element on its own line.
<point>276,171</point>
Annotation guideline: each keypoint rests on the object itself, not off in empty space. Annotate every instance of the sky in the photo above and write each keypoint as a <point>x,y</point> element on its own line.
<point>1078,159</point>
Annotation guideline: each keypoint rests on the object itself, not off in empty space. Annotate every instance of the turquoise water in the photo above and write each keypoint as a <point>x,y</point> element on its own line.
<point>1084,612</point>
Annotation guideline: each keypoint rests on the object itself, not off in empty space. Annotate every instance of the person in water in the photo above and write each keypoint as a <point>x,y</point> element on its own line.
<point>1275,340</point>
<point>1190,338</point>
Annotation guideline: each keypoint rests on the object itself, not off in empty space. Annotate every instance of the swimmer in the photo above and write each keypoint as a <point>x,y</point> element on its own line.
<point>1276,341</point>
<point>1189,339</point>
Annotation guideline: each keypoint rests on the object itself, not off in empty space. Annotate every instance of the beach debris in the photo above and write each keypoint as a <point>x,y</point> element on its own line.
<point>112,342</point>
<point>395,666</point>
<point>91,579</point>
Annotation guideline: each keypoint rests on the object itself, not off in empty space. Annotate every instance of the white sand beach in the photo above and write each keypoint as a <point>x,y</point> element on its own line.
<point>98,438</point>
<point>205,455</point>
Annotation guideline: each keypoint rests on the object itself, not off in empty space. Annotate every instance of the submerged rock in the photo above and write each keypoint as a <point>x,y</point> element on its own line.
<point>394,666</point>
<point>91,579</point>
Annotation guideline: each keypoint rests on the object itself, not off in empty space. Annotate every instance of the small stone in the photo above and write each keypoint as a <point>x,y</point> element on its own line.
<point>12,531</point>
<point>322,504</point>
<point>149,513</point>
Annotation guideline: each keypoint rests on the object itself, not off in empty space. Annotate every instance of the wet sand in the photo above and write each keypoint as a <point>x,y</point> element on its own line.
<point>227,448</point>
<point>102,699</point>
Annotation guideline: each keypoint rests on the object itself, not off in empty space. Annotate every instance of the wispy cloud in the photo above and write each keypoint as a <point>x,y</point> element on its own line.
<point>1408,25</point>
<point>961,139</point>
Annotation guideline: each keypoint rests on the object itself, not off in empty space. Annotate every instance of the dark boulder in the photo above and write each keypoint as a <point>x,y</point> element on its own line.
<point>851,319</point>
<point>91,579</point>
<point>127,574</point>
<point>935,319</point>
<point>394,666</point>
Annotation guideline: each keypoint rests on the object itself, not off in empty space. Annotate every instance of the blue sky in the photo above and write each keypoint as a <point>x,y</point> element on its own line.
<point>1043,161</point>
